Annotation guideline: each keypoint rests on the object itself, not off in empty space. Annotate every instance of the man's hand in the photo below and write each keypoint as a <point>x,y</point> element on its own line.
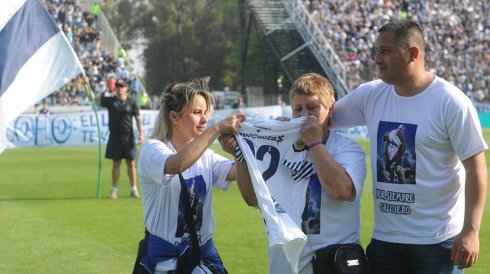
<point>466,248</point>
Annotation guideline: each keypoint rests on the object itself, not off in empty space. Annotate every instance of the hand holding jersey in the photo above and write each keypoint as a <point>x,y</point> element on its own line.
<point>311,131</point>
<point>230,124</point>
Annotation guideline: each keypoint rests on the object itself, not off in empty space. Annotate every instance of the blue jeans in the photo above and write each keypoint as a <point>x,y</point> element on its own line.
<point>389,258</point>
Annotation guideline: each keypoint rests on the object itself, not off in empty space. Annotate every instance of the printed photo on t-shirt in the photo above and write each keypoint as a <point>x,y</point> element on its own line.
<point>197,192</point>
<point>311,213</point>
<point>396,159</point>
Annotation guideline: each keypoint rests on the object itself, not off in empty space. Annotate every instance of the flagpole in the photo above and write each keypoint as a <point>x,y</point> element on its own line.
<point>90,95</point>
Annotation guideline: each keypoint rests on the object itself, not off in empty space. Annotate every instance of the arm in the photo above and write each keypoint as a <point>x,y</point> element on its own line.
<point>332,176</point>
<point>466,247</point>
<point>140,129</point>
<point>189,153</point>
<point>228,143</point>
<point>239,170</point>
<point>244,183</point>
<point>349,110</point>
<point>89,92</point>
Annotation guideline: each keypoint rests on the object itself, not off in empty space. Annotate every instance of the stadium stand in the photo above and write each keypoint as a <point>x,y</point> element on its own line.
<point>457,35</point>
<point>100,65</point>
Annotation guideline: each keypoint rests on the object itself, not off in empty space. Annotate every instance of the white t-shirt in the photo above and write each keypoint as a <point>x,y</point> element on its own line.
<point>441,128</point>
<point>326,221</point>
<point>163,212</point>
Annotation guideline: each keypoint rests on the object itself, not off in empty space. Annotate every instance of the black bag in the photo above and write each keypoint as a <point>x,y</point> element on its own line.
<point>340,259</point>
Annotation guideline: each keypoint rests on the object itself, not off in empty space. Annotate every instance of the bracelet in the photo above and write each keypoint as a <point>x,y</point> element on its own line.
<point>314,144</point>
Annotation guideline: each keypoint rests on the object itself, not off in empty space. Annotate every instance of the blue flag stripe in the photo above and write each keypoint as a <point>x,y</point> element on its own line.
<point>21,37</point>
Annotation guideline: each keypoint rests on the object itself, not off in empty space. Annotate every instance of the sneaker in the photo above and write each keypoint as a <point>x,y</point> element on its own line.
<point>134,194</point>
<point>113,195</point>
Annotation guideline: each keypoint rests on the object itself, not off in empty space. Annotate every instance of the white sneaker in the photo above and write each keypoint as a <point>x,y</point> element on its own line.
<point>113,195</point>
<point>134,194</point>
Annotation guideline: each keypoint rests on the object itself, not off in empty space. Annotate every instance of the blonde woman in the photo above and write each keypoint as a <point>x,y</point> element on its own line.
<point>180,144</point>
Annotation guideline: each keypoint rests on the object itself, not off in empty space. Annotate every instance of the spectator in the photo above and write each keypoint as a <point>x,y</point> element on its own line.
<point>135,85</point>
<point>458,45</point>
<point>144,100</point>
<point>122,54</point>
<point>239,102</point>
<point>44,110</point>
<point>155,103</point>
<point>95,9</point>
<point>279,100</point>
<point>84,34</point>
<point>218,103</point>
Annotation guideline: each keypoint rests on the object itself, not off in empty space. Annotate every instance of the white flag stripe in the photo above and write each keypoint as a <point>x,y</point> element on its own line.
<point>8,8</point>
<point>52,66</point>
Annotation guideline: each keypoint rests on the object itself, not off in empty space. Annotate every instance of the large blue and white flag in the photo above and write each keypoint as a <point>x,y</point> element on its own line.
<point>35,59</point>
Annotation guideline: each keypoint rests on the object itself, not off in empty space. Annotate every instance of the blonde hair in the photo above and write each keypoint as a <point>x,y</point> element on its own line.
<point>311,84</point>
<point>179,97</point>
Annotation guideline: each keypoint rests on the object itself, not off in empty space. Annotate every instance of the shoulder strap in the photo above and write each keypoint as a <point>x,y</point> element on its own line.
<point>190,220</point>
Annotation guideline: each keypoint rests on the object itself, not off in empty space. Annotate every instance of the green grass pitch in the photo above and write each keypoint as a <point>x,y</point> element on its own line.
<point>51,221</point>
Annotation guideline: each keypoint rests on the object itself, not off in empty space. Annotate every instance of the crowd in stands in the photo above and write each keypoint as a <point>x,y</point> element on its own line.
<point>457,34</point>
<point>101,66</point>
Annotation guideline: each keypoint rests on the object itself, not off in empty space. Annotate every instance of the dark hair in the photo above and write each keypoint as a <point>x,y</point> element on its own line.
<point>405,31</point>
<point>179,98</point>
<point>121,83</point>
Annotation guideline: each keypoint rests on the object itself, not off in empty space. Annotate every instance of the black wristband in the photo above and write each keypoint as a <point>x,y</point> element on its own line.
<point>314,144</point>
